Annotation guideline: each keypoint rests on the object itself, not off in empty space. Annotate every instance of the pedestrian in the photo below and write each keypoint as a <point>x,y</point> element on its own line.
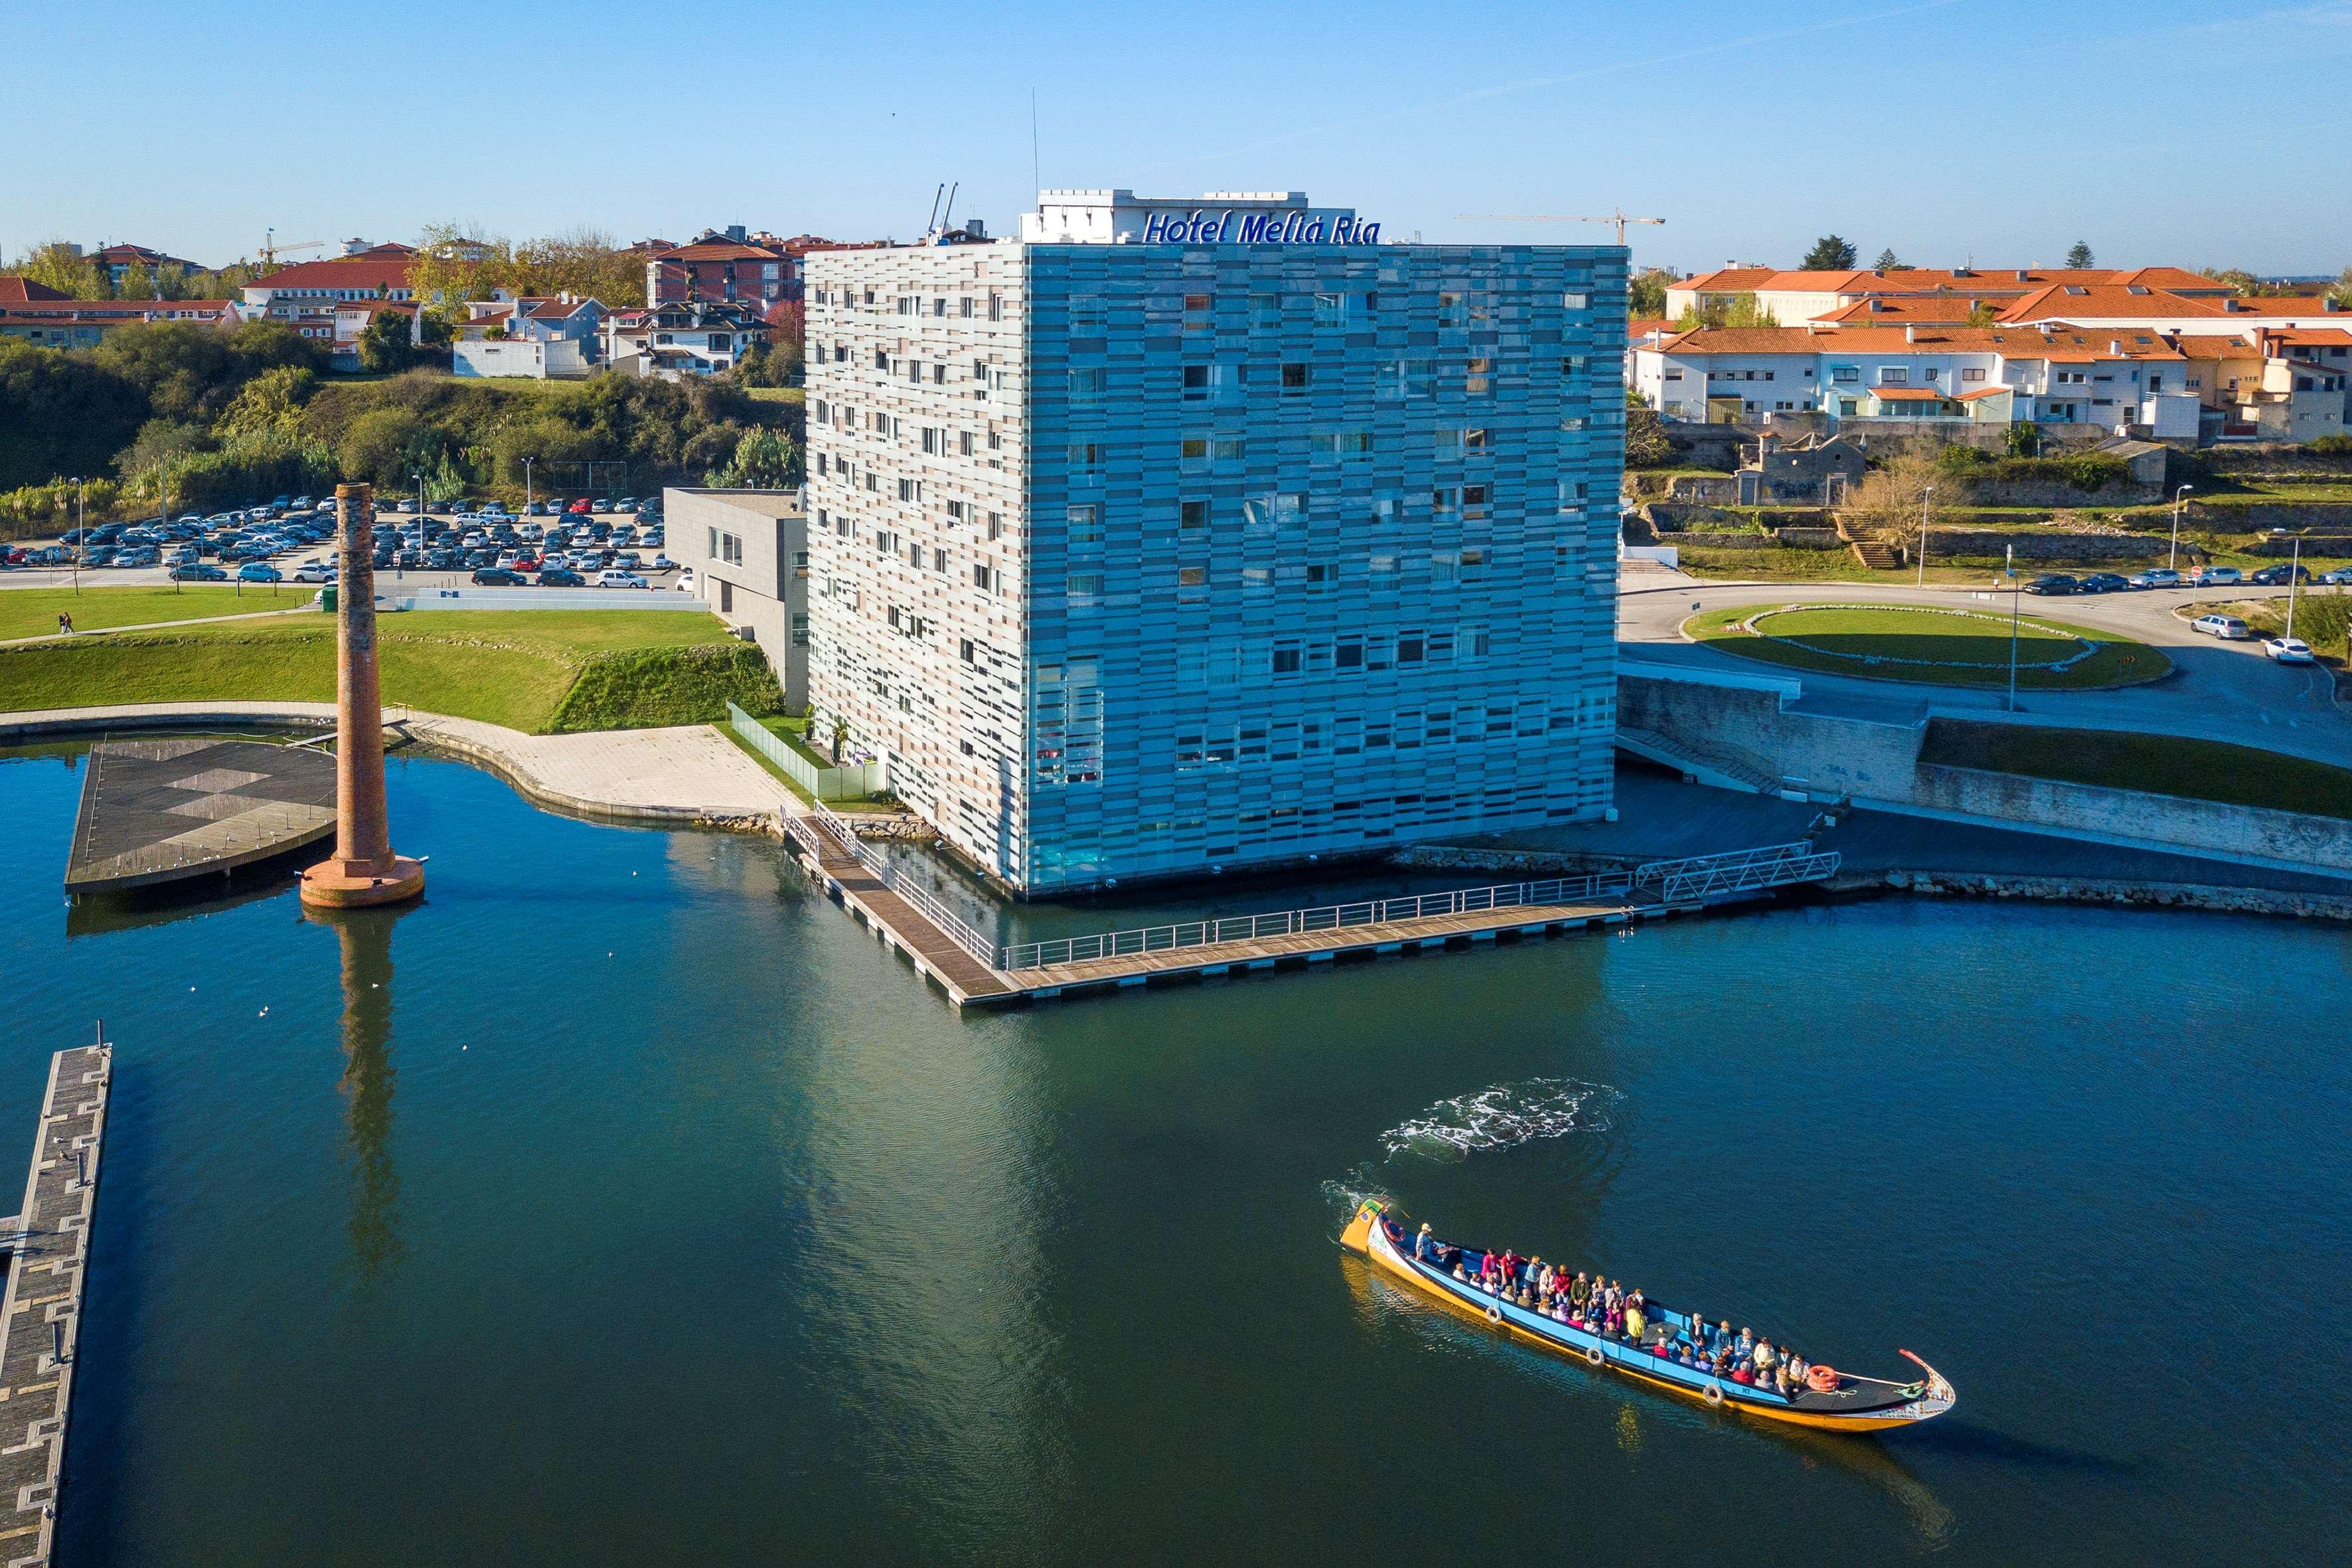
<point>65,624</point>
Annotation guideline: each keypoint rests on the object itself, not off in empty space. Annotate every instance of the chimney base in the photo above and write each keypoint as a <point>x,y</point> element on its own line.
<point>360,884</point>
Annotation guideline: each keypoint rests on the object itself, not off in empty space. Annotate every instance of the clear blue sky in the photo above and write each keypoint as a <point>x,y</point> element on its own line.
<point>2000,131</point>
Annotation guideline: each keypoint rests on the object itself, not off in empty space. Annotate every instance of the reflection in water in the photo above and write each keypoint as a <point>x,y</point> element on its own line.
<point>366,939</point>
<point>102,914</point>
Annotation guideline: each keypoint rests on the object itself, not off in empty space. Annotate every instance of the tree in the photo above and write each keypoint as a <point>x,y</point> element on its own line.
<point>62,414</point>
<point>2080,257</point>
<point>1888,262</point>
<point>1646,297</point>
<point>1646,445</point>
<point>386,342</point>
<point>58,265</point>
<point>1829,254</point>
<point>1741,309</point>
<point>764,460</point>
<point>270,401</point>
<point>1892,500</point>
<point>582,261</point>
<point>2342,292</point>
<point>1984,313</point>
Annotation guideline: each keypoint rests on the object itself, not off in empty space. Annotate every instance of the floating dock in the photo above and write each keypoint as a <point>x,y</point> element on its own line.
<point>974,971</point>
<point>165,810</point>
<point>40,1317</point>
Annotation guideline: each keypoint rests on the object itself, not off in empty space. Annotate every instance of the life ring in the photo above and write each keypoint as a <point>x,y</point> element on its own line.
<point>1715,1393</point>
<point>1822,1380</point>
<point>1494,1315</point>
<point>1592,1356</point>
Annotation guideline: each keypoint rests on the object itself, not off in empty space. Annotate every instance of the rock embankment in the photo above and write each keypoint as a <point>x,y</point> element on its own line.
<point>2108,890</point>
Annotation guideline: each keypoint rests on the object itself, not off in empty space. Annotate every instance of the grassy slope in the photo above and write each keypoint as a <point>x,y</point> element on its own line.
<point>515,668</point>
<point>2161,765</point>
<point>33,611</point>
<point>1890,634</point>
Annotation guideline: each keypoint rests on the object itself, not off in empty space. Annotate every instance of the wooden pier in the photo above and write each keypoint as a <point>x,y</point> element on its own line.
<point>40,1316</point>
<point>974,971</point>
<point>166,810</point>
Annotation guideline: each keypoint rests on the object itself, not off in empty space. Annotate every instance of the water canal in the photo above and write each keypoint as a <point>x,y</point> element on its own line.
<point>627,1202</point>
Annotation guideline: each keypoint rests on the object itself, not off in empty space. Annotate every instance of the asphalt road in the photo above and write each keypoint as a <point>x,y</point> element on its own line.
<point>2220,691</point>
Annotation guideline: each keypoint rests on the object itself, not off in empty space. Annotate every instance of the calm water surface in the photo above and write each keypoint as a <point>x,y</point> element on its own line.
<point>625,1203</point>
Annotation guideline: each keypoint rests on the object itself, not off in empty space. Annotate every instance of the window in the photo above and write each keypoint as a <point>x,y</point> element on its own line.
<point>1087,385</point>
<point>1265,310</point>
<point>1478,377</point>
<point>1086,312</point>
<point>1085,525</point>
<point>1846,374</point>
<point>965,651</point>
<point>964,307</point>
<point>1450,310</point>
<point>1286,659</point>
<point>1193,514</point>
<point>1474,501</point>
<point>1196,313</point>
<point>1085,459</point>
<point>1192,576</point>
<point>1296,378</point>
<point>1211,383</point>
<point>1399,380</point>
<point>1893,375</point>
<point>726,597</point>
<point>1972,375</point>
<point>1575,300</point>
<point>1086,587</point>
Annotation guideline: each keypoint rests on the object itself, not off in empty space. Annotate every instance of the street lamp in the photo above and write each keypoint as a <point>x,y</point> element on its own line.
<point>2173,561</point>
<point>526,486</point>
<point>81,533</point>
<point>1925,496</point>
<point>2010,565</point>
<point>2294,576</point>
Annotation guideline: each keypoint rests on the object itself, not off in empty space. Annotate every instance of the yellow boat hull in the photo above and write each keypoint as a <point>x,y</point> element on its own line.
<point>1358,1238</point>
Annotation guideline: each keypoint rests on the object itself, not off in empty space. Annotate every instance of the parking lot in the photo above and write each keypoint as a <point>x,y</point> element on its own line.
<point>573,543</point>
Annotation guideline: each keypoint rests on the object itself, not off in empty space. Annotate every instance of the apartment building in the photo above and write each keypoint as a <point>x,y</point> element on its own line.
<point>1175,537</point>
<point>1996,375</point>
<point>1795,297</point>
<point>304,295</point>
<point>722,267</point>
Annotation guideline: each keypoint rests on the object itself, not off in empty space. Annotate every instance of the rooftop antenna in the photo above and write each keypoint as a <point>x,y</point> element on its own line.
<point>1035,167</point>
<point>1616,216</point>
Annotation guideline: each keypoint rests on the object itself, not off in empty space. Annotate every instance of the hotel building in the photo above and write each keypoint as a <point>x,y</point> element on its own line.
<point>1175,536</point>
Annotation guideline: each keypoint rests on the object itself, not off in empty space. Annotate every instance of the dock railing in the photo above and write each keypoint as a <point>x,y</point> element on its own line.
<point>822,821</point>
<point>1328,917</point>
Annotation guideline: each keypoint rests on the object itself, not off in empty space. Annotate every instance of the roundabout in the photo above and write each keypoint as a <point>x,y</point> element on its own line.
<point>1929,644</point>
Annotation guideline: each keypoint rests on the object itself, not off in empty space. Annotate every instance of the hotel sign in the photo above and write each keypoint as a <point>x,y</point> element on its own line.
<point>1290,226</point>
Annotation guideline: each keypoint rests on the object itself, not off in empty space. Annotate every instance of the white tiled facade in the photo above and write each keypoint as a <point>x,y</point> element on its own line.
<point>1137,560</point>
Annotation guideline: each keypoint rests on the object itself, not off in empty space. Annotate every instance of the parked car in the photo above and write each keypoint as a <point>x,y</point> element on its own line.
<point>315,572</point>
<point>2104,583</point>
<point>2217,577</point>
<point>2052,583</point>
<point>2342,574</point>
<point>498,577</point>
<point>535,509</point>
<point>260,572</point>
<point>685,584</point>
<point>2229,628</point>
<point>582,507</point>
<point>618,579</point>
<point>2288,651</point>
<point>2162,577</point>
<point>2287,571</point>
<point>196,572</point>
<point>560,577</point>
<point>661,563</point>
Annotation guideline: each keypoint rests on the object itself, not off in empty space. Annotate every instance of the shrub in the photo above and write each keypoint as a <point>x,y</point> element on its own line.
<point>2337,446</point>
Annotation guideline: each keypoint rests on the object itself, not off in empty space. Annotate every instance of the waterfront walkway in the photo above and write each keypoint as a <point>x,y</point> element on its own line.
<point>687,773</point>
<point>41,1314</point>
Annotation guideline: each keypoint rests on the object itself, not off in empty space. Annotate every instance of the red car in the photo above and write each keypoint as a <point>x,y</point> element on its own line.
<point>581,506</point>
<point>526,563</point>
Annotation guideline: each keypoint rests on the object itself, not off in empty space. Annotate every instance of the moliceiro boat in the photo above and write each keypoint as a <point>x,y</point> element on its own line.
<point>1832,1401</point>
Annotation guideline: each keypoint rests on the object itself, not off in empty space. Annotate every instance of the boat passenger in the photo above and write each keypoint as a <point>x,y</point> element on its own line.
<point>1766,1357</point>
<point>1636,1323</point>
<point>1459,1273</point>
<point>1580,1292</point>
<point>1424,1245</point>
<point>1635,1301</point>
<point>1744,1347</point>
<point>1722,1335</point>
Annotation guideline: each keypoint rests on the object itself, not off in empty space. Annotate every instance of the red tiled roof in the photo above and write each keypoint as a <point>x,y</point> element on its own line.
<point>1907,394</point>
<point>344,272</point>
<point>718,250</point>
<point>16,290</point>
<point>2017,342</point>
<point>1984,392</point>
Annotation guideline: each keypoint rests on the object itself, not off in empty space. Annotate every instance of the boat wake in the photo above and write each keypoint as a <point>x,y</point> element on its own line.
<point>1504,1117</point>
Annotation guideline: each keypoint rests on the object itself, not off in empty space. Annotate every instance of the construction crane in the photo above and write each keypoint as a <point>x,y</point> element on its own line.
<point>1617,215</point>
<point>271,250</point>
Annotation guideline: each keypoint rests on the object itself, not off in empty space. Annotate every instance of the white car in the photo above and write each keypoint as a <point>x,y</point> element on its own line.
<point>2288,651</point>
<point>621,580</point>
<point>686,581</point>
<point>2229,628</point>
<point>315,572</point>
<point>2216,577</point>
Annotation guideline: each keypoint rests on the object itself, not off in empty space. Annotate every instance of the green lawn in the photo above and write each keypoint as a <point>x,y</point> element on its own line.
<point>1940,650</point>
<point>777,394</point>
<point>536,670</point>
<point>1774,564</point>
<point>33,611</point>
<point>2160,764</point>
